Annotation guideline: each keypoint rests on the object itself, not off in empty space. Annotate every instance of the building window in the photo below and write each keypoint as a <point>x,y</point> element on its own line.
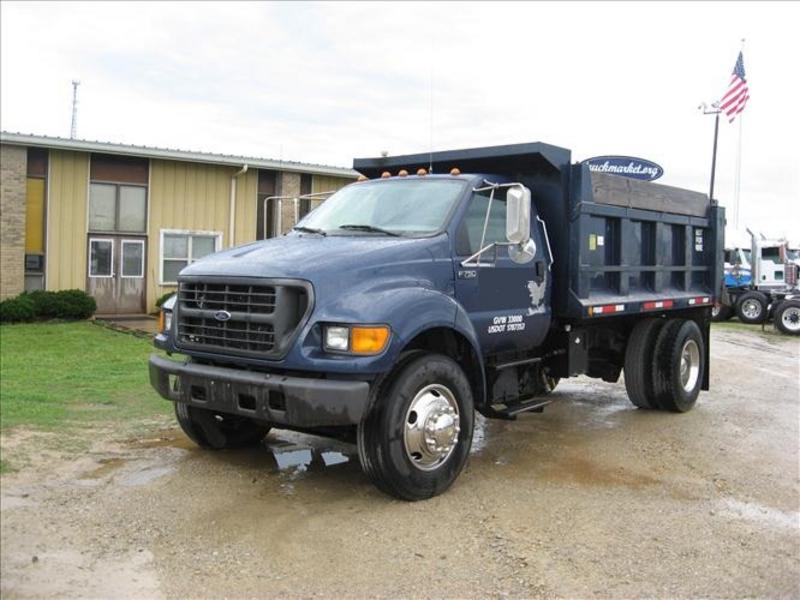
<point>101,257</point>
<point>179,249</point>
<point>35,202</point>
<point>116,207</point>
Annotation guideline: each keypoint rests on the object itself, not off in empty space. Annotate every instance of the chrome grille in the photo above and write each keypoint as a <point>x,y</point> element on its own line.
<point>239,317</point>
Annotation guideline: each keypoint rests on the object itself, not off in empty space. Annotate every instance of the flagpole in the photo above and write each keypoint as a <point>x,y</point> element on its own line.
<point>738,181</point>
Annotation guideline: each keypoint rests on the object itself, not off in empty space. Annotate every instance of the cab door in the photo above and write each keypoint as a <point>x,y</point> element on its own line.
<point>507,302</point>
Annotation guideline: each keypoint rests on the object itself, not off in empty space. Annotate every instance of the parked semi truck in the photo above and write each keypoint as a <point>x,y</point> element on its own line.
<point>439,285</point>
<point>761,283</point>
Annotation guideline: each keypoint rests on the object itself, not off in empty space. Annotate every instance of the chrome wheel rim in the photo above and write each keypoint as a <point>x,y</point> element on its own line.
<point>690,365</point>
<point>432,425</point>
<point>751,309</point>
<point>791,318</point>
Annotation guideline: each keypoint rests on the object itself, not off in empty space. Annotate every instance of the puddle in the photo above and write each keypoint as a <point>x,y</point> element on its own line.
<point>299,456</point>
<point>145,476</point>
<point>169,439</point>
<point>107,466</point>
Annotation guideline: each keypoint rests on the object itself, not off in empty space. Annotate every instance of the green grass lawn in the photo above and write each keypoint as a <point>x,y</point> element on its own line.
<point>58,375</point>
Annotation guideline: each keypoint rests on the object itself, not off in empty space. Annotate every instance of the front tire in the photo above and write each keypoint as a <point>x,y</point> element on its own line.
<point>216,431</point>
<point>787,317</point>
<point>416,437</point>
<point>751,307</point>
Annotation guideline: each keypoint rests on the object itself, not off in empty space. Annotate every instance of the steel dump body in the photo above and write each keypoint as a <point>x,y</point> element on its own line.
<point>619,246</point>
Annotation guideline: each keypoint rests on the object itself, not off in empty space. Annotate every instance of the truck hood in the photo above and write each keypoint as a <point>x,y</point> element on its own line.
<point>317,258</point>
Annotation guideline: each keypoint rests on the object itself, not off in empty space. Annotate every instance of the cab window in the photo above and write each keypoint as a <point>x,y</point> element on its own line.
<point>468,240</point>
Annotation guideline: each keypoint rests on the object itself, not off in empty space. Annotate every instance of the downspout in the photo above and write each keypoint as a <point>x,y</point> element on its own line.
<point>232,218</point>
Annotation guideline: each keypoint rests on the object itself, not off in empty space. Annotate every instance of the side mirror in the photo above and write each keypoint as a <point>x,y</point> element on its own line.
<point>518,215</point>
<point>518,225</point>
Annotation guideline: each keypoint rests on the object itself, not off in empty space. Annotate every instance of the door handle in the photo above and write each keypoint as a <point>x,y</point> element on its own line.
<point>540,269</point>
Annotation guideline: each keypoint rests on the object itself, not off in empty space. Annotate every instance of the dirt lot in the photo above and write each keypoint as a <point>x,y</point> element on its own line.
<point>591,498</point>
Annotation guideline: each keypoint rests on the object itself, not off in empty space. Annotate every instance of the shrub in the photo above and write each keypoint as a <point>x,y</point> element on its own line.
<point>17,309</point>
<point>163,298</point>
<point>73,304</point>
<point>65,304</point>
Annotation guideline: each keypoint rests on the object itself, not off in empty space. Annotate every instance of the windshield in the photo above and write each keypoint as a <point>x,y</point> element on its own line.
<point>404,207</point>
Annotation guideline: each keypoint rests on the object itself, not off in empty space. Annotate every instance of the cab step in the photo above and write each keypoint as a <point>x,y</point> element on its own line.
<point>510,411</point>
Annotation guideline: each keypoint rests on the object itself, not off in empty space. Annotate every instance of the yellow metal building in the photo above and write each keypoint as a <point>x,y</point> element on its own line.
<point>121,221</point>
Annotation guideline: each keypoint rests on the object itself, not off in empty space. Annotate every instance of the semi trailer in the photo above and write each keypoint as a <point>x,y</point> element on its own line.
<point>439,285</point>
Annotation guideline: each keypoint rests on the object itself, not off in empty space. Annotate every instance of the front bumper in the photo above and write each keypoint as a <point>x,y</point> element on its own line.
<point>279,399</point>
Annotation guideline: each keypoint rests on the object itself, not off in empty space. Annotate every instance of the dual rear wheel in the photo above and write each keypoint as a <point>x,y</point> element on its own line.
<point>665,364</point>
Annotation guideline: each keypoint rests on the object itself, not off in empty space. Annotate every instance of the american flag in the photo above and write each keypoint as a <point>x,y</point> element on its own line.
<point>738,94</point>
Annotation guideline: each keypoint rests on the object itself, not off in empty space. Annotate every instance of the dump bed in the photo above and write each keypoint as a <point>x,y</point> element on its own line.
<point>620,246</point>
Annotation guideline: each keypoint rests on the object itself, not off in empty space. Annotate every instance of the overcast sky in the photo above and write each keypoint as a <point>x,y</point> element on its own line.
<point>327,82</point>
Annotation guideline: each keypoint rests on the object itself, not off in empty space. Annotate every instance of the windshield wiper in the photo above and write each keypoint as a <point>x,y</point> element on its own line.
<point>370,228</point>
<point>309,229</point>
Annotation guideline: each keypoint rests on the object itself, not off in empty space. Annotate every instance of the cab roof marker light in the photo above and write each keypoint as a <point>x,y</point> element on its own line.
<point>362,178</point>
<point>421,172</point>
<point>455,171</point>
<point>402,173</point>
<point>385,175</point>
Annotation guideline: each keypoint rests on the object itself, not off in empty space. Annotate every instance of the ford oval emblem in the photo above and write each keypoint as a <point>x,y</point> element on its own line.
<point>222,315</point>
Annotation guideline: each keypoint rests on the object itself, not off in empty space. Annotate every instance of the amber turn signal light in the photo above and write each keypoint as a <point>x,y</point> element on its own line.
<point>368,340</point>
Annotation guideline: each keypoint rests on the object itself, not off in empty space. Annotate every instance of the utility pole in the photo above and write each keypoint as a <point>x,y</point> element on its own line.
<point>73,130</point>
<point>714,110</point>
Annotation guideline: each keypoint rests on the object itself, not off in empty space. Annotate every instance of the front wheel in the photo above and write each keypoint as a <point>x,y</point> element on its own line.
<point>416,437</point>
<point>787,317</point>
<point>751,307</point>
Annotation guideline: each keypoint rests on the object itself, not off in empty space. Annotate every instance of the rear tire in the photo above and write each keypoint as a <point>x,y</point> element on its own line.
<point>639,364</point>
<point>216,431</point>
<point>751,307</point>
<point>416,437</point>
<point>678,365</point>
<point>787,317</point>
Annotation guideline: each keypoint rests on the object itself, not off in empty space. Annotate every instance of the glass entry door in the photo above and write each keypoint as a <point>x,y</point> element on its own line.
<point>116,274</point>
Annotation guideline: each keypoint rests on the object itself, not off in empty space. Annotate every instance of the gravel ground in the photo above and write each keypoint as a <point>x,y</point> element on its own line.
<point>590,498</point>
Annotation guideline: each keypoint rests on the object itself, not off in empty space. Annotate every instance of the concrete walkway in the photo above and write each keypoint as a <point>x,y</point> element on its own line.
<point>143,324</point>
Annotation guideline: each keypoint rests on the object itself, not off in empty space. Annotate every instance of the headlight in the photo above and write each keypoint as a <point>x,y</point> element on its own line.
<point>358,339</point>
<point>337,338</point>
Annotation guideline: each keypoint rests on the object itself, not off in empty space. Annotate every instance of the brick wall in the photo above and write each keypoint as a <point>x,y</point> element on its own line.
<point>13,175</point>
<point>289,186</point>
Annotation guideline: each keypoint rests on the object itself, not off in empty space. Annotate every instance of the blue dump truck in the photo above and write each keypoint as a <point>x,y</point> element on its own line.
<point>438,285</point>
